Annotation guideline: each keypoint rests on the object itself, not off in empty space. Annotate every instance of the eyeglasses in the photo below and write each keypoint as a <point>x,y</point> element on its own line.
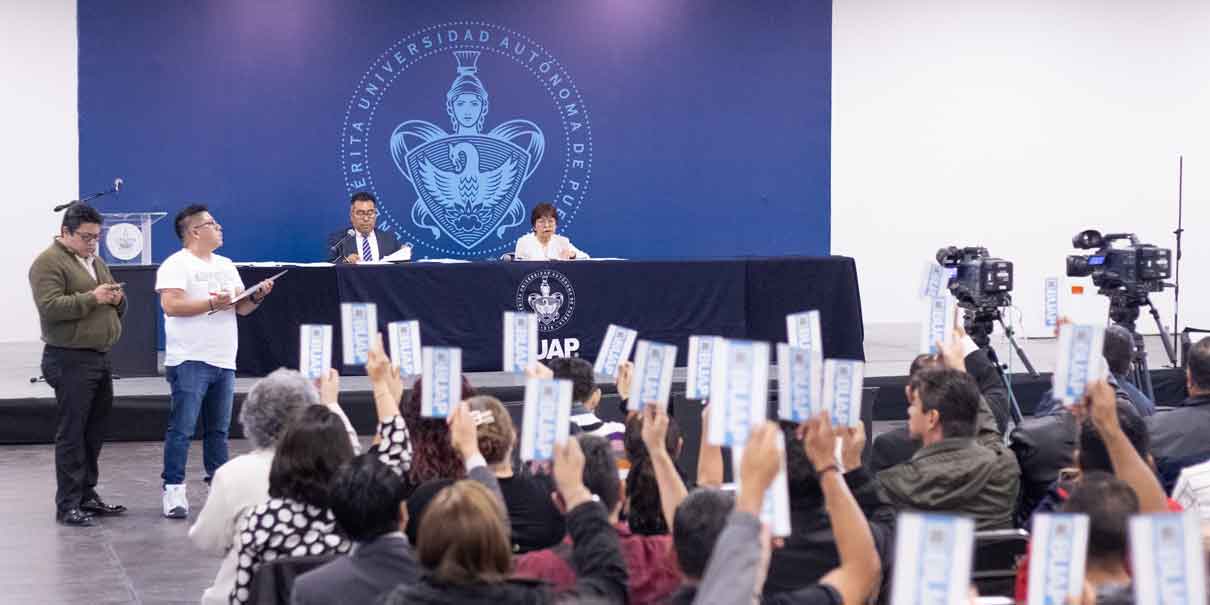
<point>206,224</point>
<point>365,213</point>
<point>88,238</point>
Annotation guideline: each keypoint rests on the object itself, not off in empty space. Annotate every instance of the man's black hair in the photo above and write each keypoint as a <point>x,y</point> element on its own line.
<point>698,521</point>
<point>183,217</point>
<point>954,395</point>
<point>77,214</point>
<point>1093,454</point>
<point>366,495</point>
<point>578,371</point>
<point>601,470</point>
<point>362,196</point>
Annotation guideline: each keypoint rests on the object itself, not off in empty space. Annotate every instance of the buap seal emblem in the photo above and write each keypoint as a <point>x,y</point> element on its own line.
<point>550,296</point>
<point>466,191</point>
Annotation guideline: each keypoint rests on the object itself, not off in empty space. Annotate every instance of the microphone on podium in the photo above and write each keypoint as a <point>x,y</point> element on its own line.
<point>335,248</point>
<point>117,186</point>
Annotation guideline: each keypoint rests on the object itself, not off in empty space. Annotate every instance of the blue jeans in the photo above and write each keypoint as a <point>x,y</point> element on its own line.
<point>197,389</point>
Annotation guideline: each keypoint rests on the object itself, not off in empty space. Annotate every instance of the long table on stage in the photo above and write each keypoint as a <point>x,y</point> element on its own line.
<point>462,305</point>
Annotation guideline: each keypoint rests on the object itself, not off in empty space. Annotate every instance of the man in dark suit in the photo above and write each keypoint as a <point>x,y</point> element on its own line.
<point>369,506</point>
<point>1178,437</point>
<point>367,243</point>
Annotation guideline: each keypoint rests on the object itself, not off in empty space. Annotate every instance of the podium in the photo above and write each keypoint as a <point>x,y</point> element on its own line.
<point>126,237</point>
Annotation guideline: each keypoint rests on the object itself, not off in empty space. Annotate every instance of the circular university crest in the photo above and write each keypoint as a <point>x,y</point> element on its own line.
<point>124,241</point>
<point>456,169</point>
<point>549,294</point>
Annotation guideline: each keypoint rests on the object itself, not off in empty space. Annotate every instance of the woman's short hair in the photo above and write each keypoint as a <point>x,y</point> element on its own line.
<point>463,538</point>
<point>432,455</point>
<point>308,455</point>
<point>272,403</point>
<point>496,437</point>
<point>543,210</point>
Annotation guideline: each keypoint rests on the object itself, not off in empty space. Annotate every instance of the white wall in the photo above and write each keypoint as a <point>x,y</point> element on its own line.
<point>39,144</point>
<point>1014,125</point>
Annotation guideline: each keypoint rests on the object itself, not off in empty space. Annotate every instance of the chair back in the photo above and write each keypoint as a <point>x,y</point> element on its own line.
<point>997,553</point>
<point>273,580</point>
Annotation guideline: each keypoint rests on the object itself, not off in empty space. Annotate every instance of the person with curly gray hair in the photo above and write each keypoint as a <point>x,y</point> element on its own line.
<point>243,482</point>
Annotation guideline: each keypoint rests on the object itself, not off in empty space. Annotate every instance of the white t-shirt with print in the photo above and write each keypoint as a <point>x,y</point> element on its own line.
<point>211,339</point>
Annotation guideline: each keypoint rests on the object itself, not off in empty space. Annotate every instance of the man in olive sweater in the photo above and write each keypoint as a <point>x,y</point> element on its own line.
<point>80,308</point>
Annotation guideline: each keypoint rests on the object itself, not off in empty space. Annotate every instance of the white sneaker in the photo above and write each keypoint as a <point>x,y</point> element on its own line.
<point>176,505</point>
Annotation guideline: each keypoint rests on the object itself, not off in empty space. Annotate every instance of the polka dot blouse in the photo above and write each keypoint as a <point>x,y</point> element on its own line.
<point>283,527</point>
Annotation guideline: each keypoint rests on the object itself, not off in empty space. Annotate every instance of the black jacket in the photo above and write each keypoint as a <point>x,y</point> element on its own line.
<point>1043,446</point>
<point>367,573</point>
<point>1180,438</point>
<point>596,556</point>
<point>387,244</point>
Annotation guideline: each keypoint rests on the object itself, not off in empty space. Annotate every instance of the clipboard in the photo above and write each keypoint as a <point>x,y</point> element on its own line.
<point>248,292</point>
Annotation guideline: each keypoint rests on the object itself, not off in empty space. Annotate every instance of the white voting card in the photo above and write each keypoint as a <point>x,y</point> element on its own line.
<point>937,323</point>
<point>799,383</point>
<point>652,380</point>
<point>842,382</point>
<point>775,510</point>
<point>405,346</point>
<point>614,350</point>
<point>314,350</point>
<point>358,324</point>
<point>546,419</point>
<point>934,280</point>
<point>802,330</point>
<point>739,391</point>
<point>1050,302</point>
<point>441,381</point>
<point>932,559</point>
<point>1058,547</point>
<point>701,360</point>
<point>520,341</point>
<point>1080,362</point>
<point>1167,561</point>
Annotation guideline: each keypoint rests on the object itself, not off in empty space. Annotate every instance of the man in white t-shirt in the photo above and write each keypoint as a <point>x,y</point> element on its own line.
<point>196,288</point>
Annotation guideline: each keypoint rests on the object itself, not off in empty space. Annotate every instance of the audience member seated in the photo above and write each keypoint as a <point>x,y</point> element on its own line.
<point>297,519</point>
<point>243,482</point>
<point>466,553</point>
<point>1118,350</point>
<point>643,509</point>
<point>737,566</point>
<point>368,504</point>
<point>585,399</point>
<point>1044,447</point>
<point>1179,438</point>
<point>697,524</point>
<point>959,353</point>
<point>810,551</point>
<point>952,473</point>
<point>653,573</point>
<point>1109,502</point>
<point>536,523</point>
<point>433,458</point>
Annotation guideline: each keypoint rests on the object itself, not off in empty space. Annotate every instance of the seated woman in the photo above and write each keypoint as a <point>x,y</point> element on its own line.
<point>432,456</point>
<point>542,243</point>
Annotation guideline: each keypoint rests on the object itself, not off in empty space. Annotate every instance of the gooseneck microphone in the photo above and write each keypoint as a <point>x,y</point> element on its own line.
<point>117,186</point>
<point>335,248</point>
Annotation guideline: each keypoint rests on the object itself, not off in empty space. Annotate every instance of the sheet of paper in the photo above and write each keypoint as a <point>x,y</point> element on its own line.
<point>932,559</point>
<point>546,419</point>
<point>701,360</point>
<point>739,391</point>
<point>1058,547</point>
<point>441,381</point>
<point>520,341</point>
<point>799,383</point>
<point>358,324</point>
<point>614,350</point>
<point>842,382</point>
<point>937,323</point>
<point>1167,560</point>
<point>405,346</point>
<point>1080,361</point>
<point>314,350</point>
<point>652,381</point>
<point>802,330</point>
<point>775,510</point>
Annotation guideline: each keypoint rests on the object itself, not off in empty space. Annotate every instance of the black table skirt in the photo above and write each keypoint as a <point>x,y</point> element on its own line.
<point>462,305</point>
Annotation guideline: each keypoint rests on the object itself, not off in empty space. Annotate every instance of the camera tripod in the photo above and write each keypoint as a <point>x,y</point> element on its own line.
<point>1124,312</point>
<point>979,323</point>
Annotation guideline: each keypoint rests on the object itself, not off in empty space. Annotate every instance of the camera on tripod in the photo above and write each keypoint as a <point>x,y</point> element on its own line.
<point>1134,268</point>
<point>980,281</point>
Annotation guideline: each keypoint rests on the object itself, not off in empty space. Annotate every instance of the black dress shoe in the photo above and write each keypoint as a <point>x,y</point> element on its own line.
<point>95,506</point>
<point>74,517</point>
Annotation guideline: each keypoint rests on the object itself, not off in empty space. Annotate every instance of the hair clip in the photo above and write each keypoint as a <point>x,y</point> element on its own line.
<point>482,417</point>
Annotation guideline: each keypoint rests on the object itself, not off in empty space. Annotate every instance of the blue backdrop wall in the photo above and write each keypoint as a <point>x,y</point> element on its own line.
<point>677,128</point>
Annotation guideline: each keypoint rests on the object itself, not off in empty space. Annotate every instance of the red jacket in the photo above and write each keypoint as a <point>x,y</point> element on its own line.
<point>649,559</point>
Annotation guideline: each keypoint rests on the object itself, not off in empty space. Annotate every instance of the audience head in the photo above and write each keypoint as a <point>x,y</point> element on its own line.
<point>81,229</point>
<point>1109,502</point>
<point>432,455</point>
<point>418,502</point>
<point>368,499</point>
<point>1198,374</point>
<point>601,472</point>
<point>1092,454</point>
<point>583,386</point>
<point>313,447</point>
<point>463,538</point>
<point>644,514</point>
<point>943,403</point>
<point>920,363</point>
<point>698,521</point>
<point>803,482</point>
<point>272,403</point>
<point>497,436</point>
<point>1118,349</point>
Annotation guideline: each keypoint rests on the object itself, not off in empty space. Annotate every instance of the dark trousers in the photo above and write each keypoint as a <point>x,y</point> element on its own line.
<point>83,385</point>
